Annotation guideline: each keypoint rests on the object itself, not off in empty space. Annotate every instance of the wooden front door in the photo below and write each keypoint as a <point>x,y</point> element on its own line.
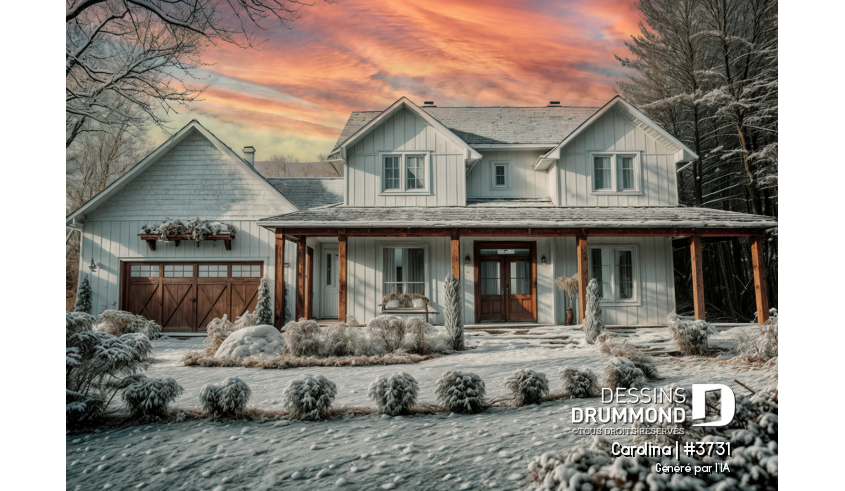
<point>505,282</point>
<point>186,297</point>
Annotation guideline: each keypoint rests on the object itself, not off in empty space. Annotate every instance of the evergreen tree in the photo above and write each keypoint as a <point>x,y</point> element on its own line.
<point>263,309</point>
<point>452,312</point>
<point>83,296</point>
<point>593,324</point>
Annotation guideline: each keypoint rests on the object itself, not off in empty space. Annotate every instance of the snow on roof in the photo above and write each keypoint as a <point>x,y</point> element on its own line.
<point>484,215</point>
<point>310,192</point>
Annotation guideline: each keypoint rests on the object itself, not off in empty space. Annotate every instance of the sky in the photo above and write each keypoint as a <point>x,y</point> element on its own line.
<point>293,95</point>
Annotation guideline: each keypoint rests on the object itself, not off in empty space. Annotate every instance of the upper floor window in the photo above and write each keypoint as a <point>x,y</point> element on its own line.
<point>500,175</point>
<point>405,173</point>
<point>616,173</point>
<point>615,269</point>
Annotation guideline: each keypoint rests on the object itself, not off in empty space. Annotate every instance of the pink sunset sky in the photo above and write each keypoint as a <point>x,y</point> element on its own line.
<point>294,94</point>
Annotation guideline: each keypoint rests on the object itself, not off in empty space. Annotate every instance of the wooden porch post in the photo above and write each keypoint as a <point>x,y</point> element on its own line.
<point>300,279</point>
<point>583,273</point>
<point>456,255</point>
<point>697,277</point>
<point>759,266</point>
<point>280,279</point>
<point>341,278</point>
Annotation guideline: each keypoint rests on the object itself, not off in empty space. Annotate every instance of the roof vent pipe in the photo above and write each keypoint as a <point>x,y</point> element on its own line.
<point>554,104</point>
<point>249,155</point>
<point>429,104</point>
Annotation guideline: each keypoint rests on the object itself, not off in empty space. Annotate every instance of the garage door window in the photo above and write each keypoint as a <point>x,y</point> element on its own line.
<point>246,271</point>
<point>144,271</point>
<point>178,271</point>
<point>213,271</point>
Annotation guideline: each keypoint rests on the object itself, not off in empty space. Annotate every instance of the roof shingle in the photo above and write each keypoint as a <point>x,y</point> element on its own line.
<point>310,192</point>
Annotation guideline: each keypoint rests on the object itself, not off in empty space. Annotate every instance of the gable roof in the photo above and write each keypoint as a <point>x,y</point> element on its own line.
<point>367,126</point>
<point>157,154</point>
<point>494,125</point>
<point>310,192</point>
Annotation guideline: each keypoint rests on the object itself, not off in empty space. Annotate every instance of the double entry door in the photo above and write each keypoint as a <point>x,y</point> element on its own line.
<point>505,282</point>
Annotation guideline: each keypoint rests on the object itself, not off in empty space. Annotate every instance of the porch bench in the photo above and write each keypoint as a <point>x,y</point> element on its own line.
<point>425,309</point>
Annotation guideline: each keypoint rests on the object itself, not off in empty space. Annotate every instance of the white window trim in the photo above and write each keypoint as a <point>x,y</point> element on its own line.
<point>493,165</point>
<point>614,170</point>
<point>402,191</point>
<point>427,279</point>
<point>635,264</point>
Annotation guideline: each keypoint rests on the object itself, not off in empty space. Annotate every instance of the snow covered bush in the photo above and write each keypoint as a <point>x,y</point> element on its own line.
<point>264,308</point>
<point>762,346</point>
<point>303,338</point>
<point>386,333</point>
<point>579,384</point>
<point>251,341</point>
<point>593,324</point>
<point>622,373</point>
<point>226,400</point>
<point>461,392</point>
<point>340,339</point>
<point>689,336</point>
<point>309,398</point>
<point>527,386</point>
<point>394,395</point>
<point>83,296</point>
<point>612,345</point>
<point>78,322</point>
<point>148,397</point>
<point>218,330</point>
<point>115,322</point>
<point>452,312</point>
<point>246,320</point>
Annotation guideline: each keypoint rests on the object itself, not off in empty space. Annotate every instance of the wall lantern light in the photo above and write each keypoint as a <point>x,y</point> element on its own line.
<point>466,260</point>
<point>543,259</point>
<point>93,265</point>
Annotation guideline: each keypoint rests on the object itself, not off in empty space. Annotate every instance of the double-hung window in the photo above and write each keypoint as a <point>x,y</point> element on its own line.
<point>615,173</point>
<point>499,175</point>
<point>405,173</point>
<point>403,270</point>
<point>615,269</point>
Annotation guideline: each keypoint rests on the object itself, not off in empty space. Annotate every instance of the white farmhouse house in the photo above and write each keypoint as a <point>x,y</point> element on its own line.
<point>505,198</point>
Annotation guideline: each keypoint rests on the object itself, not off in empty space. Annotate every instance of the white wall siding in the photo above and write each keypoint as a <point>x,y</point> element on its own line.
<point>522,180</point>
<point>614,132</point>
<point>404,131</point>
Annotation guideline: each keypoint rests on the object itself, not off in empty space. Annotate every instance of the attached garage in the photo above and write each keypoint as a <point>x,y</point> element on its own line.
<point>186,296</point>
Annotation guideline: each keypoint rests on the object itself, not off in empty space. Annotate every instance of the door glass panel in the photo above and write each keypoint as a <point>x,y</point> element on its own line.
<point>624,265</point>
<point>178,270</point>
<point>490,278</point>
<point>520,280</point>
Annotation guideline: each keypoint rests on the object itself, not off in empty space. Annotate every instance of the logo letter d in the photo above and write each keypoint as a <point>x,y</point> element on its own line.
<point>699,393</point>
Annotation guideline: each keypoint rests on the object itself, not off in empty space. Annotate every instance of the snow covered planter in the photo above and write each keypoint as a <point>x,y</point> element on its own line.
<point>593,324</point>
<point>689,336</point>
<point>251,341</point>
<point>622,373</point>
<point>612,345</point>
<point>195,229</point>
<point>148,398</point>
<point>226,400</point>
<point>309,398</point>
<point>579,384</point>
<point>461,392</point>
<point>527,386</point>
<point>394,395</point>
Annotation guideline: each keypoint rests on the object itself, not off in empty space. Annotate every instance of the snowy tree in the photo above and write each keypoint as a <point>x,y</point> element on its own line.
<point>593,324</point>
<point>394,395</point>
<point>83,296</point>
<point>264,308</point>
<point>452,312</point>
<point>309,397</point>
<point>461,392</point>
<point>226,400</point>
<point>527,386</point>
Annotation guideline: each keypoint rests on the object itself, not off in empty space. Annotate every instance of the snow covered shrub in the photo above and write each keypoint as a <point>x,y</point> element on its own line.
<point>303,338</point>
<point>689,336</point>
<point>461,392</point>
<point>763,345</point>
<point>83,296</point>
<point>309,398</point>
<point>386,333</point>
<point>264,309</point>
<point>579,384</point>
<point>614,346</point>
<point>142,325</point>
<point>622,373</point>
<point>394,395</point>
<point>452,312</point>
<point>78,322</point>
<point>226,400</point>
<point>340,339</point>
<point>527,386</point>
<point>115,322</point>
<point>593,324</point>
<point>251,341</point>
<point>246,320</point>
<point>148,397</point>
<point>218,330</point>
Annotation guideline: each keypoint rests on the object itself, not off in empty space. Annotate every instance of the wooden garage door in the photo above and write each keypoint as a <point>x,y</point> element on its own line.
<point>185,297</point>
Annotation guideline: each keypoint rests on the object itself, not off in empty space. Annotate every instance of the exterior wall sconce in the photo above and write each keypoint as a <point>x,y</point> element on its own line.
<point>93,265</point>
<point>543,259</point>
<point>466,260</point>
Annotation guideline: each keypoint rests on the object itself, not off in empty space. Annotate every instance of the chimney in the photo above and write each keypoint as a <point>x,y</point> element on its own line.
<point>249,155</point>
<point>429,104</point>
<point>554,104</point>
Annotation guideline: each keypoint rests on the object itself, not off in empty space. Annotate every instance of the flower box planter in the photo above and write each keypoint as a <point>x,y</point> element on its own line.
<point>151,239</point>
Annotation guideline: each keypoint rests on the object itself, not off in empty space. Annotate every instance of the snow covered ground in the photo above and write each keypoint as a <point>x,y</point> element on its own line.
<point>490,450</point>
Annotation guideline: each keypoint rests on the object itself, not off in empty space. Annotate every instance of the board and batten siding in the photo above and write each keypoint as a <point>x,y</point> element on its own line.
<point>614,132</point>
<point>404,131</point>
<point>522,180</point>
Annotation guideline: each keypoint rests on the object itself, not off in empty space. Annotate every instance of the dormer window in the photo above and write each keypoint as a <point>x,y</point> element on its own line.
<point>499,175</point>
<point>614,173</point>
<point>405,173</point>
